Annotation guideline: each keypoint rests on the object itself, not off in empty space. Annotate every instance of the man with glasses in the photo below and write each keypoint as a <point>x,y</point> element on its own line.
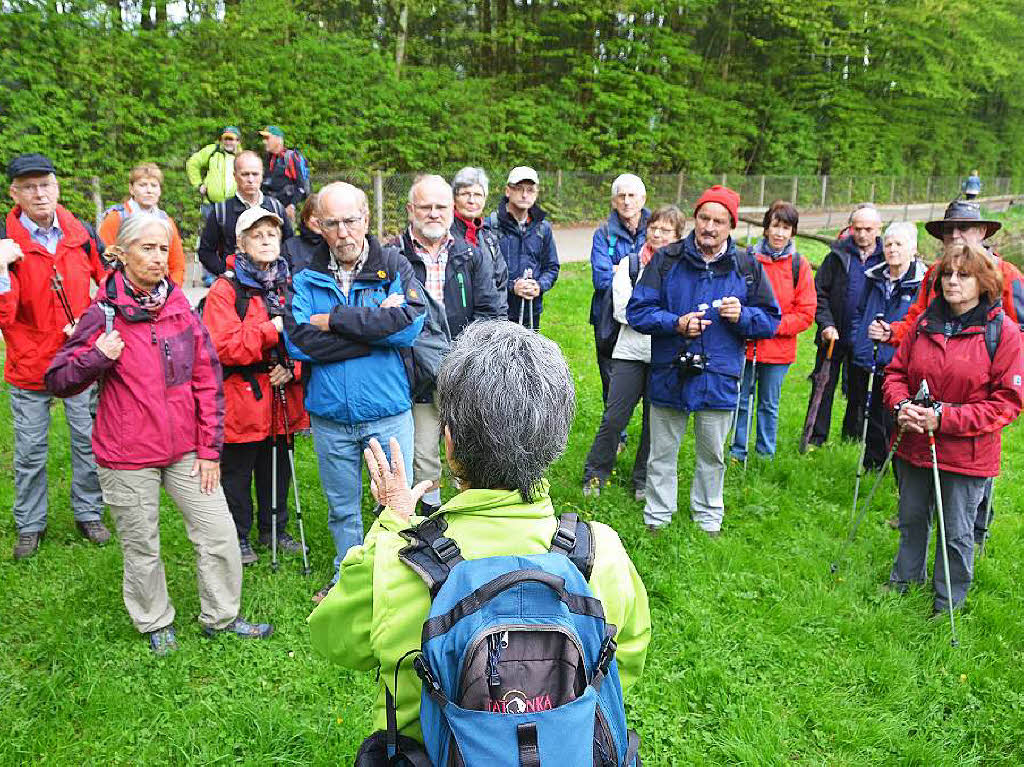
<point>458,277</point>
<point>217,244</point>
<point>45,272</point>
<point>470,187</point>
<point>961,224</point>
<point>353,315</point>
<point>528,245</point>
<point>623,233</point>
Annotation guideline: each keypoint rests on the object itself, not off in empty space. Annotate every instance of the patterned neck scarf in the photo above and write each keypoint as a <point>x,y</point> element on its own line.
<point>150,300</point>
<point>267,281</point>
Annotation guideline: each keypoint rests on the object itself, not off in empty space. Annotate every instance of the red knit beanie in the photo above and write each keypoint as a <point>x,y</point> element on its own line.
<point>723,195</point>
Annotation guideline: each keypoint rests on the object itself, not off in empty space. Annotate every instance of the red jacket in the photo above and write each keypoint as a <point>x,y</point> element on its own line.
<point>249,342</point>
<point>798,305</point>
<point>1013,298</point>
<point>162,398</point>
<point>979,395</point>
<point>31,316</point>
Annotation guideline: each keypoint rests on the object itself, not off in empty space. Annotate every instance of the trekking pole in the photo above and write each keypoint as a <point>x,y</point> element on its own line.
<point>527,275</point>
<point>864,429</point>
<point>306,569</point>
<point>988,515</point>
<point>750,406</point>
<point>273,482</point>
<point>739,396</point>
<point>57,282</point>
<point>928,402</point>
<point>834,567</point>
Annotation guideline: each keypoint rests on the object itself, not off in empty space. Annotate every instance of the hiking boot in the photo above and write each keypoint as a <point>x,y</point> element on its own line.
<point>654,530</point>
<point>242,629</point>
<point>592,487</point>
<point>248,555</point>
<point>28,544</point>
<point>95,531</point>
<point>894,522</point>
<point>285,543</point>
<point>318,597</point>
<point>713,533</point>
<point>163,641</point>
<point>640,494</point>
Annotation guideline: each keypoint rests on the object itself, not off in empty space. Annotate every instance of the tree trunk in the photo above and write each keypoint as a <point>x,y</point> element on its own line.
<point>487,41</point>
<point>403,35</point>
<point>161,14</point>
<point>147,14</point>
<point>114,7</point>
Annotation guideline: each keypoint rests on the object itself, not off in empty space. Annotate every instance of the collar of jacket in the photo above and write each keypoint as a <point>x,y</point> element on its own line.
<point>911,279</point>
<point>308,235</point>
<point>115,296</point>
<point>374,269</point>
<point>458,250</point>
<point>847,249</point>
<point>686,250</point>
<point>760,248</point>
<point>74,234</point>
<point>616,227</point>
<point>938,314</point>
<point>536,215</point>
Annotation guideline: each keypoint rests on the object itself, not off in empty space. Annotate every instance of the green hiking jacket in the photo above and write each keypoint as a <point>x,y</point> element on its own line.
<point>220,172</point>
<point>376,612</point>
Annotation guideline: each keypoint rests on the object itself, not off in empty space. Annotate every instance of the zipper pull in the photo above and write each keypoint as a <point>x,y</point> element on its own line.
<point>152,333</point>
<point>493,656</point>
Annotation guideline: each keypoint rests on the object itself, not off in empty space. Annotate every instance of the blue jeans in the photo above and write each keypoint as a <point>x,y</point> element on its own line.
<point>339,450</point>
<point>769,391</point>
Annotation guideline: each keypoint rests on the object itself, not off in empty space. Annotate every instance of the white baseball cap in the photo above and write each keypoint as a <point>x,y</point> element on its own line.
<point>251,216</point>
<point>522,173</point>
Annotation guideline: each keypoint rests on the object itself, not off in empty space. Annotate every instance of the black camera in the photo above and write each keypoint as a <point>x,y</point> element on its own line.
<point>692,363</point>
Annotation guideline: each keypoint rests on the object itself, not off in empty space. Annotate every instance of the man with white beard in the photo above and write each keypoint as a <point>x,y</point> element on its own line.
<point>460,279</point>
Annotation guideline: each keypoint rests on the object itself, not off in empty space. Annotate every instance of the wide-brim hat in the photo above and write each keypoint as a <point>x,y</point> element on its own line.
<point>962,212</point>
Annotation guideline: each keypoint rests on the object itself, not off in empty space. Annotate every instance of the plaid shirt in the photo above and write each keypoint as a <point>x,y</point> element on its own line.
<point>435,267</point>
<point>345,276</point>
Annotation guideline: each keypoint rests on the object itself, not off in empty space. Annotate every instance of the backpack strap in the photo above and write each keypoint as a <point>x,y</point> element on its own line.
<point>612,239</point>
<point>492,220</point>
<point>634,267</point>
<point>796,269</point>
<point>220,211</point>
<point>993,333</point>
<point>745,265</point>
<point>529,748</point>
<point>430,553</point>
<point>573,538</point>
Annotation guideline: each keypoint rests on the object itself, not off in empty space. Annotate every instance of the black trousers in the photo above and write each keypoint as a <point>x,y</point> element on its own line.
<point>243,462</point>
<point>851,421</point>
<point>628,385</point>
<point>604,367</point>
<point>880,422</point>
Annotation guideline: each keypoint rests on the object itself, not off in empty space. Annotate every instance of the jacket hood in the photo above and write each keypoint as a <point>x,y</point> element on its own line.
<point>74,234</point>
<point>939,315</point>
<point>308,235</point>
<point>617,228</point>
<point>686,249</point>
<point>913,277</point>
<point>112,292</point>
<point>847,247</point>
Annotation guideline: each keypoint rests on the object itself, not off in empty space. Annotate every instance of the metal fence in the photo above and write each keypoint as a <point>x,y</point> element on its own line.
<point>571,196</point>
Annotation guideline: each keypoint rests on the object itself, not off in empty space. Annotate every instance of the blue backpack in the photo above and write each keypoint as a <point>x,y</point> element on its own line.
<point>517,662</point>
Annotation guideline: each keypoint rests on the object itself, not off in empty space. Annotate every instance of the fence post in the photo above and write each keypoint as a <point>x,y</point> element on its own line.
<point>824,189</point>
<point>97,200</point>
<point>378,202</point>
<point>849,192</point>
<point>679,188</point>
<point>725,177</point>
<point>760,199</point>
<point>872,191</point>
<point>928,190</point>
<point>558,183</point>
<point>796,185</point>
<point>892,190</point>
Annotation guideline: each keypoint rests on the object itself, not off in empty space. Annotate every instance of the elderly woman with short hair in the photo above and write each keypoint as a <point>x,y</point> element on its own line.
<point>160,424</point>
<point>470,189</point>
<point>889,289</point>
<point>145,184</point>
<point>969,352</point>
<point>506,405</point>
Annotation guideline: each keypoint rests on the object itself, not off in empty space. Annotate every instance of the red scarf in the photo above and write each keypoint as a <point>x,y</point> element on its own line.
<point>472,225</point>
<point>645,254</point>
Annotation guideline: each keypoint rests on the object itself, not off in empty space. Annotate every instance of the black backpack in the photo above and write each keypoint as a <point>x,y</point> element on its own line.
<point>607,328</point>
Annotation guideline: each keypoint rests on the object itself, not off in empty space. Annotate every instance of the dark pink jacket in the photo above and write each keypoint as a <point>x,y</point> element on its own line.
<point>162,398</point>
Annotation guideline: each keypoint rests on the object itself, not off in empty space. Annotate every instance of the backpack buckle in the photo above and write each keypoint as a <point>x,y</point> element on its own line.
<point>565,539</point>
<point>607,654</point>
<point>431,685</point>
<point>446,548</point>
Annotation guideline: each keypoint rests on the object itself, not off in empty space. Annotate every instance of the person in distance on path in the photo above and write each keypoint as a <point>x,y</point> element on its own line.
<point>699,300</point>
<point>977,394</point>
<point>160,424</point>
<point>46,243</point>
<point>839,283</point>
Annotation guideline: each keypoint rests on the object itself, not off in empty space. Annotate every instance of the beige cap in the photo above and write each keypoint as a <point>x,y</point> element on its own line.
<point>522,173</point>
<point>250,216</point>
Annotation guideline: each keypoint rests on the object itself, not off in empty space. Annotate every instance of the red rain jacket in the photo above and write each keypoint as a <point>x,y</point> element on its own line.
<point>798,305</point>
<point>31,316</point>
<point>249,342</point>
<point>979,395</point>
<point>162,398</point>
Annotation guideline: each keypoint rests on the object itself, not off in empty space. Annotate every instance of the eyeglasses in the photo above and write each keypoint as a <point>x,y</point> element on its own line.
<point>337,223</point>
<point>465,194</point>
<point>663,231</point>
<point>42,186</point>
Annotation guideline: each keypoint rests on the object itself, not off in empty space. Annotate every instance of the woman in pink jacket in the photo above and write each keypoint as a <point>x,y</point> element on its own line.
<point>160,423</point>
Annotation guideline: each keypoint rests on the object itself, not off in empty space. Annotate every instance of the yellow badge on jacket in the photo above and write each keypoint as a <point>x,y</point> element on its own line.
<point>382,274</point>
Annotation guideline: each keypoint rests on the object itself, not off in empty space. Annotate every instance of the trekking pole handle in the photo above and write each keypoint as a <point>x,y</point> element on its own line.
<point>831,346</point>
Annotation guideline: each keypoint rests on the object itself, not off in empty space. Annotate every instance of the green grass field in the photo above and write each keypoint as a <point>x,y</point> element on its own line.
<point>759,655</point>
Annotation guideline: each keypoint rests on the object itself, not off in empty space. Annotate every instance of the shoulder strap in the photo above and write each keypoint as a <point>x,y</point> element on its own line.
<point>796,269</point>
<point>611,238</point>
<point>745,265</point>
<point>573,539</point>
<point>278,207</point>
<point>993,333</point>
<point>242,298</point>
<point>492,220</point>
<point>3,229</point>
<point>430,553</point>
<point>220,210</point>
<point>634,267</point>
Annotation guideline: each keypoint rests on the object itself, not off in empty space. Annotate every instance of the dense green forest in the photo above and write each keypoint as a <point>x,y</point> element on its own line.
<point>772,86</point>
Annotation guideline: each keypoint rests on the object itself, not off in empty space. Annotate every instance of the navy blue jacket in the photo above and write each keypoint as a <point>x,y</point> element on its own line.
<point>533,248</point>
<point>832,282</point>
<point>873,300</point>
<point>678,281</point>
<point>358,370</point>
<point>612,242</point>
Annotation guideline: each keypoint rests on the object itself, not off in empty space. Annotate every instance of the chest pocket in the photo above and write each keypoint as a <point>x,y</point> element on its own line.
<point>178,355</point>
<point>369,295</point>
